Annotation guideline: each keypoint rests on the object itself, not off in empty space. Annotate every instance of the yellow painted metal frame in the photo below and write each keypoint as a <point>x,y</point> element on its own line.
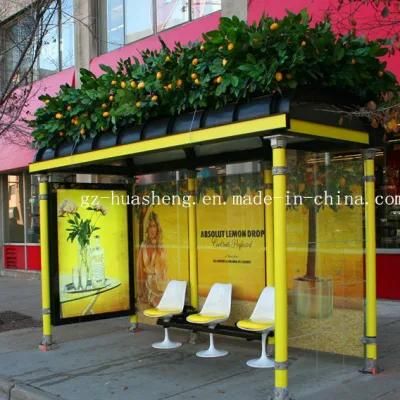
<point>45,264</point>
<point>281,276</point>
<point>370,265</point>
<point>328,132</point>
<point>180,140</point>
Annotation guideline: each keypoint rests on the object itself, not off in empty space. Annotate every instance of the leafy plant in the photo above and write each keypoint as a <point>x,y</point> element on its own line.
<point>80,229</point>
<point>231,64</point>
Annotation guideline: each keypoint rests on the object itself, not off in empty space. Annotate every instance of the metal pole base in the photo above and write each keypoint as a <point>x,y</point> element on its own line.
<point>281,394</point>
<point>134,327</point>
<point>211,352</point>
<point>47,344</point>
<point>371,367</point>
<point>166,344</point>
<point>193,336</point>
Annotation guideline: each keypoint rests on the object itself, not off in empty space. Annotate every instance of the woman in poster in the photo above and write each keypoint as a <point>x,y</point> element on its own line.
<point>151,264</point>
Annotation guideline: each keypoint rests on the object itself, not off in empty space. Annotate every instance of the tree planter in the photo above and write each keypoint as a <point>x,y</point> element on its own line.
<point>313,298</point>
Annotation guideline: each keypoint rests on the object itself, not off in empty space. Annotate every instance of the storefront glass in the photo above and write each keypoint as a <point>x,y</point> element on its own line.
<point>14,224</point>
<point>388,197</point>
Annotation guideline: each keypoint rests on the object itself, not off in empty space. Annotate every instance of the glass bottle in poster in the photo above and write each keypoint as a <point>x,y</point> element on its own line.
<point>97,263</point>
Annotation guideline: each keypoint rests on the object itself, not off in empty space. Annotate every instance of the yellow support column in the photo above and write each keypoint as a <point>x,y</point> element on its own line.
<point>193,282</point>
<point>370,265</point>
<point>279,172</point>
<point>133,319</point>
<point>47,341</point>
<point>269,224</point>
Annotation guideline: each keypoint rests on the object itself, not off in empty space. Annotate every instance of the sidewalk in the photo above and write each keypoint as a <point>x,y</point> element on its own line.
<point>101,360</point>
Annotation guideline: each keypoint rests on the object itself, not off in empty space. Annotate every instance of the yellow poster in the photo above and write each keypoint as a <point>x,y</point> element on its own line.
<point>93,252</point>
<point>231,239</point>
<point>161,247</point>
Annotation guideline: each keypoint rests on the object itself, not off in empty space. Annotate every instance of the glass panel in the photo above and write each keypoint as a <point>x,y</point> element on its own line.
<point>160,234</point>
<point>16,39</point>
<point>388,197</point>
<point>325,253</point>
<point>230,234</point>
<point>14,226</point>
<point>49,58</point>
<point>115,24</point>
<point>171,13</point>
<point>32,209</point>
<point>138,19</point>
<point>67,34</point>
<point>204,7</point>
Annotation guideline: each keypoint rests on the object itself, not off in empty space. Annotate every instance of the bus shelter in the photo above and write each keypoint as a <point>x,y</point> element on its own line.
<point>269,130</point>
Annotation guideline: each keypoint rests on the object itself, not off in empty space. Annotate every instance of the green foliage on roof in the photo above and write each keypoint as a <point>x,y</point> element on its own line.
<point>231,64</point>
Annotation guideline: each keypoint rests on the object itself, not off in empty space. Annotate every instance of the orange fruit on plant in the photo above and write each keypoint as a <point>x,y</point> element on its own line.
<point>138,104</point>
<point>133,84</point>
<point>69,108</point>
<point>202,47</point>
<point>113,83</point>
<point>278,76</point>
<point>104,105</point>
<point>303,43</point>
<point>169,86</point>
<point>159,75</point>
<point>219,79</point>
<point>154,98</point>
<point>82,131</point>
<point>195,61</point>
<point>179,82</point>
<point>231,46</point>
<point>59,116</point>
<point>111,98</point>
<point>197,82</point>
<point>141,85</point>
<point>167,59</point>
<point>224,62</point>
<point>274,26</point>
<point>61,134</point>
<point>106,114</point>
<point>123,85</point>
<point>193,76</point>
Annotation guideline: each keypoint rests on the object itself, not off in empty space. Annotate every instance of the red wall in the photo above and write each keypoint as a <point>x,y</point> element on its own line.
<point>388,276</point>
<point>14,257</point>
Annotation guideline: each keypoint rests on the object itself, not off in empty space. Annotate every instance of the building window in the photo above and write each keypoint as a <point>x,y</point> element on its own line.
<point>128,21</point>
<point>15,42</point>
<point>171,13</point>
<point>56,51</point>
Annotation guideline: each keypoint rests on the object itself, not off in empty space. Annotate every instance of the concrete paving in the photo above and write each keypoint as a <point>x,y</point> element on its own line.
<point>102,360</point>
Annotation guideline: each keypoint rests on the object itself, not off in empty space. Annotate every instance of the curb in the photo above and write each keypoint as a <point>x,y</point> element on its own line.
<point>10,273</point>
<point>13,390</point>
